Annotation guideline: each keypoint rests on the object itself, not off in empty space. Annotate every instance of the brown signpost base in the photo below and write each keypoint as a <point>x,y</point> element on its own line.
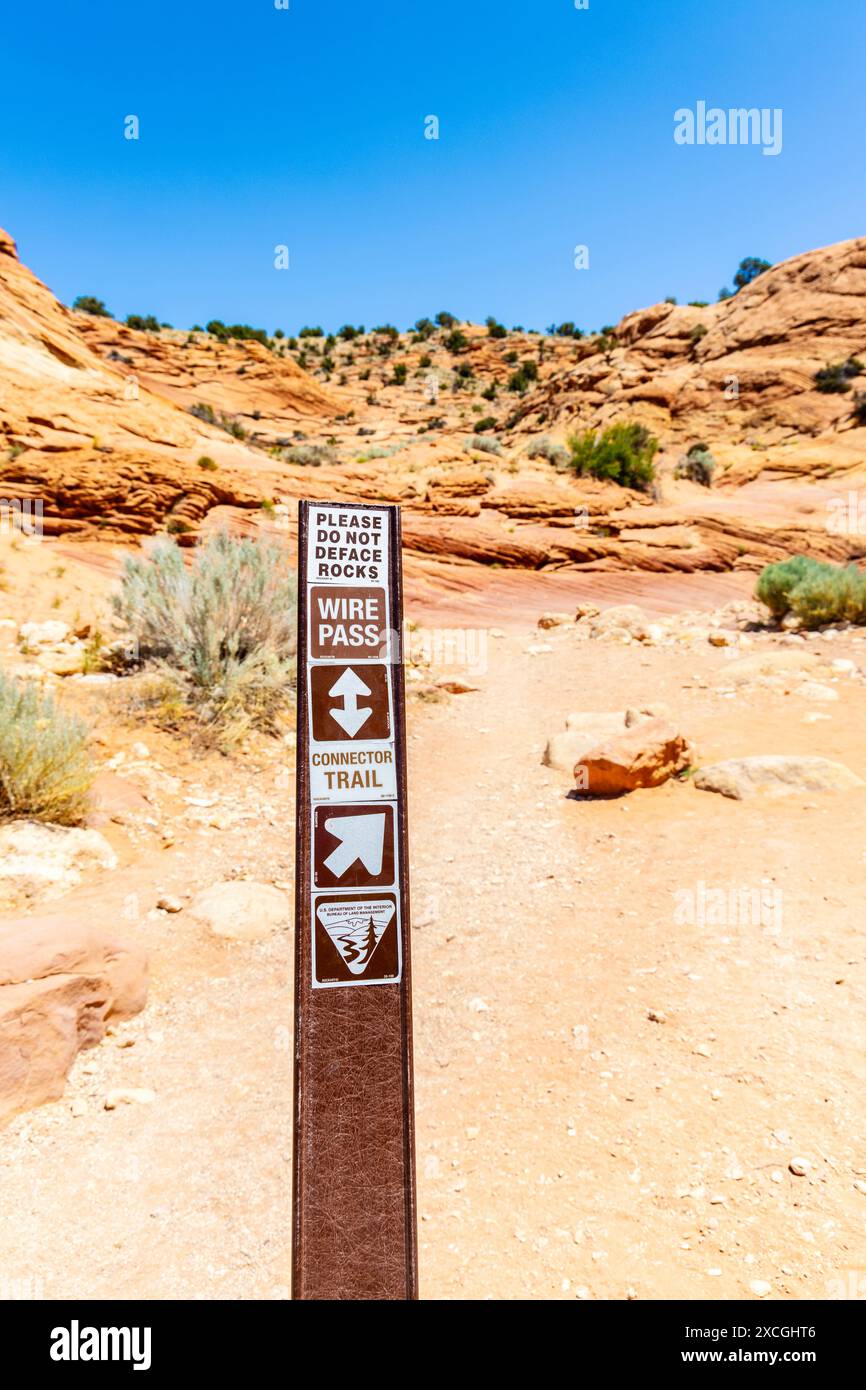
<point>354,1218</point>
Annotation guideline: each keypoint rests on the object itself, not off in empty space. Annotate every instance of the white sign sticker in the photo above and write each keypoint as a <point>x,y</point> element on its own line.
<point>347,545</point>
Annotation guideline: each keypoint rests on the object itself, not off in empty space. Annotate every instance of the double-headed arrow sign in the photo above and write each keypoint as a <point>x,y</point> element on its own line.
<point>348,688</point>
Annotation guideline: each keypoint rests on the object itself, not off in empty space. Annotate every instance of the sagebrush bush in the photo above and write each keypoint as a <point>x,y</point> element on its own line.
<point>621,454</point>
<point>813,591</point>
<point>311,455</point>
<point>777,582</point>
<point>485,444</point>
<point>698,465</point>
<point>221,629</point>
<point>557,454</point>
<point>45,768</point>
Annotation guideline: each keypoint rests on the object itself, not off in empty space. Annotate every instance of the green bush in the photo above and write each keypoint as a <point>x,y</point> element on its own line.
<point>399,377</point>
<point>836,377</point>
<point>487,423</point>
<point>45,769</point>
<point>496,329</point>
<point>220,632</point>
<point>777,582</point>
<point>89,304</point>
<point>830,594</point>
<point>621,454</point>
<point>456,341</point>
<point>145,323</point>
<point>523,378</point>
<point>813,591</point>
<point>241,331</point>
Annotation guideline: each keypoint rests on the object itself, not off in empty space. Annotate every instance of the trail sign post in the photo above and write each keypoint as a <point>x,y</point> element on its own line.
<point>354,1221</point>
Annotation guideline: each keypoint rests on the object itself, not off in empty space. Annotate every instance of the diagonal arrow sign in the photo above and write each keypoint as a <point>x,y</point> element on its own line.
<point>362,837</point>
<point>347,689</point>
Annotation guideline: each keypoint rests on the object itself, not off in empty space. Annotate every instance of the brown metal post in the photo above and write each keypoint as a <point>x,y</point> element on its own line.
<point>354,1218</point>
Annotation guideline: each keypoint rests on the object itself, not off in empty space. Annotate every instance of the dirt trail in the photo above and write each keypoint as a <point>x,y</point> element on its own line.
<point>568,1145</point>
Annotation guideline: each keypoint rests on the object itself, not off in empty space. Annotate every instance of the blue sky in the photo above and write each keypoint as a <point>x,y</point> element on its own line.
<point>305,127</point>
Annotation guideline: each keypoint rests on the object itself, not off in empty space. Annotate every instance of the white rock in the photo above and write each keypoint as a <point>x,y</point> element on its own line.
<point>242,910</point>
<point>760,1288</point>
<point>774,775</point>
<point>45,861</point>
<point>129,1095</point>
<point>814,690</point>
<point>46,634</point>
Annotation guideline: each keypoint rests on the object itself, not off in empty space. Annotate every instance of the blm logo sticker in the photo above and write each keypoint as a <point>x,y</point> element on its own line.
<point>356,939</point>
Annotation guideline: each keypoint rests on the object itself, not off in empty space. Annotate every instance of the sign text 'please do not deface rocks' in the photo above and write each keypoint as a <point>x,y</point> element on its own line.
<point>351,750</point>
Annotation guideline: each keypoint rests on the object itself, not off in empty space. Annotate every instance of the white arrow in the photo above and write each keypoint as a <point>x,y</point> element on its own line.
<point>362,837</point>
<point>347,689</point>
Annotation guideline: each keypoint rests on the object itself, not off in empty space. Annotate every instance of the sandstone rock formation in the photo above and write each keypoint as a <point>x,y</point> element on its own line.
<point>96,421</point>
<point>61,982</point>
<point>39,862</point>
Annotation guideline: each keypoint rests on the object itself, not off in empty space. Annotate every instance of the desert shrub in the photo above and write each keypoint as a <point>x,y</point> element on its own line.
<point>207,463</point>
<point>242,331</point>
<point>221,630</point>
<point>89,304</point>
<point>860,407</point>
<point>813,591</point>
<point>146,323</point>
<point>399,377</point>
<point>523,378</point>
<point>837,377</point>
<point>425,360</point>
<point>445,320</point>
<point>830,594</point>
<point>308,332</point>
<point>564,330</point>
<point>622,453</point>
<point>777,582</point>
<point>456,340</point>
<point>202,411</point>
<point>485,444</point>
<point>749,270</point>
<point>45,768</point>
<point>311,455</point>
<point>557,454</point>
<point>487,423</point>
<point>698,465</point>
<point>495,329</point>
